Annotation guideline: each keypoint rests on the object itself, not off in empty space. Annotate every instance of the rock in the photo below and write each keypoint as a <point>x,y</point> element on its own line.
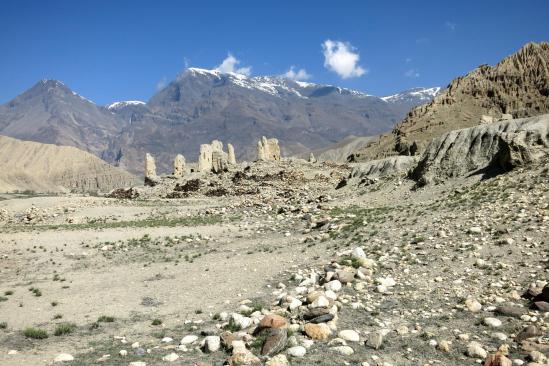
<point>231,159</point>
<point>444,346</point>
<point>475,350</point>
<point>497,359</point>
<point>386,281</point>
<point>343,350</point>
<point>123,353</point>
<point>317,331</point>
<point>542,306</point>
<point>242,321</point>
<point>528,332</point>
<point>322,319</point>
<point>278,360</point>
<point>63,357</point>
<point>473,305</point>
<point>297,351</point>
<point>312,158</point>
<point>241,356</point>
<point>475,230</point>
<point>345,276</point>
<point>189,339</point>
<point>12,352</point>
<point>166,340</point>
<point>179,166</point>
<point>212,343</point>
<point>275,341</point>
<point>537,356</point>
<point>334,285</point>
<point>375,340</point>
<point>512,311</point>
<point>137,363</point>
<point>349,335</point>
<point>268,149</point>
<point>381,168</point>
<point>272,321</point>
<point>358,253</point>
<point>171,357</point>
<point>502,145</point>
<point>219,161</point>
<point>320,302</point>
<point>492,322</point>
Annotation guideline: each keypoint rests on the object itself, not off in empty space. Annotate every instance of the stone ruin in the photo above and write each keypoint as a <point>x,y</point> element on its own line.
<point>212,158</point>
<point>179,166</point>
<point>150,170</point>
<point>268,149</point>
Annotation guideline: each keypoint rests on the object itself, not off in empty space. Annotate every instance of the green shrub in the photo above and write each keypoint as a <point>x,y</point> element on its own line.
<point>65,328</point>
<point>35,333</point>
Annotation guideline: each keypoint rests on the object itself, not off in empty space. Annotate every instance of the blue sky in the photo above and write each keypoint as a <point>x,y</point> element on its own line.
<point>125,50</point>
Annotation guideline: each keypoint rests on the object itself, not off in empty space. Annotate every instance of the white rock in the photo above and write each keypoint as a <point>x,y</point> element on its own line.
<point>123,353</point>
<point>386,281</point>
<point>297,351</point>
<point>189,339</point>
<point>135,345</point>
<point>475,230</point>
<point>242,321</point>
<point>473,305</point>
<point>358,253</point>
<point>320,302</point>
<point>137,363</point>
<point>63,357</point>
<point>12,352</point>
<point>307,343</point>
<point>474,349</point>
<point>492,322</point>
<point>212,343</point>
<point>171,357</point>
<point>334,285</point>
<point>343,350</point>
<point>330,295</point>
<point>294,304</point>
<point>349,335</point>
<point>166,340</point>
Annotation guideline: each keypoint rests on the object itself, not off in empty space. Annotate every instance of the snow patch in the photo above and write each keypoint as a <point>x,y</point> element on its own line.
<point>118,105</point>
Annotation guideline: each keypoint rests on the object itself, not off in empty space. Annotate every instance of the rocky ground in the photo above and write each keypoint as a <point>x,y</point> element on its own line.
<point>271,264</point>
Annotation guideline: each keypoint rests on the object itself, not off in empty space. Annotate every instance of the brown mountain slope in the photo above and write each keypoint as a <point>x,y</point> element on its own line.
<point>27,165</point>
<point>518,86</point>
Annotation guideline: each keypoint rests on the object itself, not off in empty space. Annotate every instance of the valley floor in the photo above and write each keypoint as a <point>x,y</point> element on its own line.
<point>115,281</point>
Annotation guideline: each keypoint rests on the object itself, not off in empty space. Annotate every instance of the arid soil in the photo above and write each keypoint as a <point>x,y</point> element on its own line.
<point>429,276</point>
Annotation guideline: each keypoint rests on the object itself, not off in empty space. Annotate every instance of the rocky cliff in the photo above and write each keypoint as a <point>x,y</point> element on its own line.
<point>516,87</point>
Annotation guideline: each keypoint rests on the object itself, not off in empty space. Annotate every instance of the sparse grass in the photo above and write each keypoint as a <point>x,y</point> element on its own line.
<point>8,292</point>
<point>232,326</point>
<point>54,303</point>
<point>57,316</point>
<point>35,291</point>
<point>35,333</point>
<point>3,325</point>
<point>3,298</point>
<point>105,319</point>
<point>156,322</point>
<point>65,328</point>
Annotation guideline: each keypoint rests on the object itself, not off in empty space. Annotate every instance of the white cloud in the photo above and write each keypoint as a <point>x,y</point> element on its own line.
<point>162,83</point>
<point>342,58</point>
<point>412,73</point>
<point>450,25</point>
<point>300,74</point>
<point>229,65</point>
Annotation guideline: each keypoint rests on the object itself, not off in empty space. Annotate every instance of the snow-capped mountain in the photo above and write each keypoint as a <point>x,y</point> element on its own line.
<point>126,103</point>
<point>415,95</point>
<point>199,106</point>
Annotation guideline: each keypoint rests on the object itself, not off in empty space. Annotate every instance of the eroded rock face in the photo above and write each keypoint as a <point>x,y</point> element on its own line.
<point>219,161</point>
<point>150,170</point>
<point>516,87</point>
<point>179,166</point>
<point>268,149</point>
<point>502,145</point>
<point>383,167</point>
